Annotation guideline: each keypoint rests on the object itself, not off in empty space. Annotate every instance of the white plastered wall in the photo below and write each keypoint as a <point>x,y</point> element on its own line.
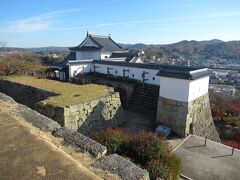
<point>133,73</point>
<point>183,90</point>
<point>75,69</point>
<point>105,54</point>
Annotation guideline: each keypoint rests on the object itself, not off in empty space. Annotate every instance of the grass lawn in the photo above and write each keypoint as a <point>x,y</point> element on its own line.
<point>69,94</point>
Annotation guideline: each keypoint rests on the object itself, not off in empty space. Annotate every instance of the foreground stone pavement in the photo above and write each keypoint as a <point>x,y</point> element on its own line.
<point>27,154</point>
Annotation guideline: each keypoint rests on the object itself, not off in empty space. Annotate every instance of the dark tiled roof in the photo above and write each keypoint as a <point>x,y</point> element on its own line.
<point>127,64</point>
<point>180,72</point>
<point>103,43</point>
<point>129,56</point>
<point>183,74</point>
<point>145,65</point>
<point>71,56</point>
<point>85,48</point>
<point>81,62</point>
<point>106,43</point>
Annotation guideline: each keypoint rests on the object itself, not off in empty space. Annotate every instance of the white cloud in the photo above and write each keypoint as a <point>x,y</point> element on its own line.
<point>35,23</point>
<point>214,17</point>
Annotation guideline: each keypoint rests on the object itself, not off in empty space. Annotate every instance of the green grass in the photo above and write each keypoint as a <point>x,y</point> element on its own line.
<point>69,94</point>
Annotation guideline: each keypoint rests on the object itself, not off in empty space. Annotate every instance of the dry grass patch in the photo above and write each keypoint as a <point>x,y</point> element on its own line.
<point>69,94</point>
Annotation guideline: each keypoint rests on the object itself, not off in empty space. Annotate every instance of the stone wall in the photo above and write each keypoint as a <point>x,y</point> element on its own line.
<point>112,165</point>
<point>87,117</point>
<point>24,94</point>
<point>122,85</point>
<point>186,118</point>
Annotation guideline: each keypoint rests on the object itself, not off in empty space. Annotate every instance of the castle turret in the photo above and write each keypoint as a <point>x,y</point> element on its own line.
<point>183,103</point>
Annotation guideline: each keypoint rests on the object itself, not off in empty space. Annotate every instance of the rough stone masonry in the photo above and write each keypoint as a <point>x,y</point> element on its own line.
<point>85,117</point>
<point>88,116</point>
<point>186,118</point>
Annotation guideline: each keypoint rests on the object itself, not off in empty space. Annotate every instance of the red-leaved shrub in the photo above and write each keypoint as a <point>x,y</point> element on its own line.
<point>235,142</point>
<point>147,149</point>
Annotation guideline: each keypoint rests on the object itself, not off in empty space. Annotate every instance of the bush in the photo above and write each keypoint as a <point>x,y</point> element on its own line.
<point>146,149</point>
<point>235,142</point>
<point>116,140</point>
<point>148,146</point>
<point>169,168</point>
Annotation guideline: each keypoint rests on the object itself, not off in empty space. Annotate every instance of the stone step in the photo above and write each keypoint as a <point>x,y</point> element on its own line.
<point>152,106</point>
<point>148,106</point>
<point>142,102</point>
<point>146,91</point>
<point>145,96</point>
<point>145,99</point>
<point>143,110</point>
<point>148,86</point>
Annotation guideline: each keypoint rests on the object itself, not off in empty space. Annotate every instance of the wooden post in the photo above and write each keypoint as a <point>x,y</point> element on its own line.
<point>205,143</point>
<point>144,79</point>
<point>94,71</point>
<point>232,151</point>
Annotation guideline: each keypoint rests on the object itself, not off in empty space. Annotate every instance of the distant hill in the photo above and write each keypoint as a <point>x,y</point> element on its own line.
<point>51,49</point>
<point>213,49</point>
<point>140,46</point>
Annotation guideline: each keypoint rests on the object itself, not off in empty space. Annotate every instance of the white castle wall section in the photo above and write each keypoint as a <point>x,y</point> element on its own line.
<point>183,90</point>
<point>175,89</point>
<point>171,88</point>
<point>134,73</point>
<point>75,69</point>
<point>105,55</point>
<point>198,87</point>
<point>139,60</point>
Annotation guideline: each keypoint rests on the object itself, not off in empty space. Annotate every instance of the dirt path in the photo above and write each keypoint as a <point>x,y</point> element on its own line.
<point>28,153</point>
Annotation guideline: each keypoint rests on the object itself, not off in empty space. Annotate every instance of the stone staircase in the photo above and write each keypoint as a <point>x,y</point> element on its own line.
<point>144,99</point>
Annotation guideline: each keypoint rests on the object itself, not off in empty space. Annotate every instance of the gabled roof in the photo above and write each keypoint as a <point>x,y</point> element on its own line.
<point>106,42</point>
<point>85,48</point>
<point>103,43</point>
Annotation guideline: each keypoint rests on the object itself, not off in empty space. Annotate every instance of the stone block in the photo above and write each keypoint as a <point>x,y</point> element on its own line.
<point>94,103</point>
<point>120,167</point>
<point>6,98</point>
<point>73,108</point>
<point>66,111</point>
<point>37,119</point>
<point>81,142</point>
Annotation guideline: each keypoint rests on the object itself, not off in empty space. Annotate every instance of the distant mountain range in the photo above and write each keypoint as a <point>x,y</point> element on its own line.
<point>212,49</point>
<point>52,49</point>
<point>140,46</point>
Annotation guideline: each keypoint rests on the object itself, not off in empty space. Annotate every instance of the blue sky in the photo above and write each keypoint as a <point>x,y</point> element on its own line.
<point>41,23</point>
